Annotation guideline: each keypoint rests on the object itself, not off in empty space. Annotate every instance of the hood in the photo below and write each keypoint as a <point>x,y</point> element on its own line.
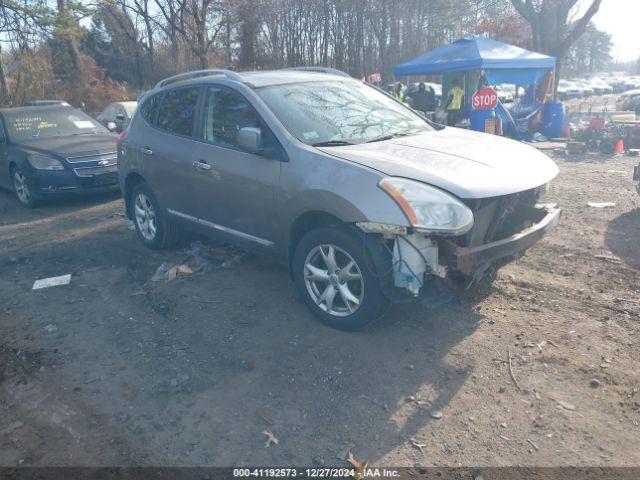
<point>72,145</point>
<point>466,163</point>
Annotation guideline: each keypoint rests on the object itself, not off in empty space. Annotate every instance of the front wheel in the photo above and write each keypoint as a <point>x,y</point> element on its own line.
<point>332,271</point>
<point>22,189</point>
<point>152,225</point>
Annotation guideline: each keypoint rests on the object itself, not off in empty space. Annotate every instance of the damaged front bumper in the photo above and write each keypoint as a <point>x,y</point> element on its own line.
<point>468,259</point>
<point>420,260</point>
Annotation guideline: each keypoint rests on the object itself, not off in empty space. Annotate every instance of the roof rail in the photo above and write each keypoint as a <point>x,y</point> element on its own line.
<point>333,71</point>
<point>196,73</point>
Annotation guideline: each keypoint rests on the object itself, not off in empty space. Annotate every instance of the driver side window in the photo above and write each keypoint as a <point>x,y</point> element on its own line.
<point>225,113</point>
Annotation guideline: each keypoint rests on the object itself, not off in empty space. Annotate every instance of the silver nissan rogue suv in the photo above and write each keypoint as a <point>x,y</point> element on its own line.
<point>367,201</point>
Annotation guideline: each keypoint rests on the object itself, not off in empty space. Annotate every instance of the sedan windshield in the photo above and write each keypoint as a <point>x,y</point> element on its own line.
<point>340,113</point>
<point>48,123</point>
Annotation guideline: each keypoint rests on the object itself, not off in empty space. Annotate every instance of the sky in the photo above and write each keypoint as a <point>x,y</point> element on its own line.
<point>620,18</point>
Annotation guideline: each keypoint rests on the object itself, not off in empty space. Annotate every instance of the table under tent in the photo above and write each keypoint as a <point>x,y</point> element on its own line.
<point>479,61</point>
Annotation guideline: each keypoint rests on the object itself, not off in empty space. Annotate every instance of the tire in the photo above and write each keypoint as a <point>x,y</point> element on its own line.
<point>349,300</point>
<point>153,227</point>
<point>23,189</point>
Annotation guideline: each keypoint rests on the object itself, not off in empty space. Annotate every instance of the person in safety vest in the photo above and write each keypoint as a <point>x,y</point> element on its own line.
<point>454,103</point>
<point>397,93</point>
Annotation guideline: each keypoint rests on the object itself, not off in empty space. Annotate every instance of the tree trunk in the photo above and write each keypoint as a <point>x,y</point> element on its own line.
<point>4,91</point>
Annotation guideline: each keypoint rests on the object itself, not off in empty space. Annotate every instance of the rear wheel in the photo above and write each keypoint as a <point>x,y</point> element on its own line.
<point>152,225</point>
<point>332,273</point>
<point>22,189</point>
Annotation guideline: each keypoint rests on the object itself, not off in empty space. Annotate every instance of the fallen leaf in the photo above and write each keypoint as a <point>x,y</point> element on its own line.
<point>358,466</point>
<point>566,405</point>
<point>419,446</point>
<point>271,438</point>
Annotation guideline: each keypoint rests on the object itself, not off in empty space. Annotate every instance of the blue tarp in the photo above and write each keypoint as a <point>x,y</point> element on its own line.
<point>501,62</point>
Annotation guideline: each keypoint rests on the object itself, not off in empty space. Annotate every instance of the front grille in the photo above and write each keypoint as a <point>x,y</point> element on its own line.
<point>496,218</point>
<point>96,157</point>
<point>98,170</point>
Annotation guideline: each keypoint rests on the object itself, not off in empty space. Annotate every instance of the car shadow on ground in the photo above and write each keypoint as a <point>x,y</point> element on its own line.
<point>622,237</point>
<point>12,212</point>
<point>222,356</point>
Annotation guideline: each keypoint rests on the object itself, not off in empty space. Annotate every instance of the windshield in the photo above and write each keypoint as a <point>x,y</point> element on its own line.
<point>58,122</point>
<point>340,113</point>
<point>130,108</point>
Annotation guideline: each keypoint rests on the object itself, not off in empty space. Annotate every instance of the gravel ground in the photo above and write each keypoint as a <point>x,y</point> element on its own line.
<point>114,369</point>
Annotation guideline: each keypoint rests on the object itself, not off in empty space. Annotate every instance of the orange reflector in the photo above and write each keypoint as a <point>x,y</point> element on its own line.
<point>400,200</point>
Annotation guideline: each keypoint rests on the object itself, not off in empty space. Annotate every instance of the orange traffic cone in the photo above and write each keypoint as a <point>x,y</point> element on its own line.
<point>619,148</point>
<point>566,130</point>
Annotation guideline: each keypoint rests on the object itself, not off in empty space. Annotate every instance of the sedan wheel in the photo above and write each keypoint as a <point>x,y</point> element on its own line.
<point>333,280</point>
<point>22,189</point>
<point>145,217</point>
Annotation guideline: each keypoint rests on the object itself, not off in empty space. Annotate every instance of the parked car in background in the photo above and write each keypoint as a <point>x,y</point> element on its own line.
<point>41,103</point>
<point>628,101</point>
<point>568,90</point>
<point>54,149</point>
<point>600,87</point>
<point>116,117</point>
<point>585,88</point>
<point>368,204</point>
<point>506,92</point>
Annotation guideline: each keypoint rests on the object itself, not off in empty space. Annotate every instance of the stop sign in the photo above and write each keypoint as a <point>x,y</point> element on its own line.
<point>485,99</point>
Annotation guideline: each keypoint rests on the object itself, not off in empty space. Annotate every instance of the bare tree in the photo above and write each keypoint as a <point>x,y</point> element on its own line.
<point>553,30</point>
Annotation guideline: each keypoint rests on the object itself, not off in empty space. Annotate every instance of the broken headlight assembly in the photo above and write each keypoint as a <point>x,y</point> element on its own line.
<point>429,209</point>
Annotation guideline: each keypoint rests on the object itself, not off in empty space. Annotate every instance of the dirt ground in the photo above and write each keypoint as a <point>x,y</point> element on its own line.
<point>115,369</point>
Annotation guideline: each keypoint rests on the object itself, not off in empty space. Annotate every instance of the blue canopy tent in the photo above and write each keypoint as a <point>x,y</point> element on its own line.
<point>501,62</point>
<point>473,56</point>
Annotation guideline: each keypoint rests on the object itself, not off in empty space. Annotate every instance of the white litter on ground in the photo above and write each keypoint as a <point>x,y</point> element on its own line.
<point>52,282</point>
<point>601,204</point>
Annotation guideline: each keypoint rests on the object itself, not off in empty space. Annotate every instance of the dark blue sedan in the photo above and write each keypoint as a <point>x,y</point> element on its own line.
<point>56,149</point>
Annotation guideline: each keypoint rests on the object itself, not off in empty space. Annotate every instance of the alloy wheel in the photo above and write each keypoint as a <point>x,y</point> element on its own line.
<point>21,187</point>
<point>333,280</point>
<point>145,217</point>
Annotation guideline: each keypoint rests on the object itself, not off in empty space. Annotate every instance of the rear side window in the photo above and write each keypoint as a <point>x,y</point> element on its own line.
<point>149,108</point>
<point>178,110</point>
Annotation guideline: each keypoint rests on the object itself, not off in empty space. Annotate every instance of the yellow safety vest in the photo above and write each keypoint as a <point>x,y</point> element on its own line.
<point>456,101</point>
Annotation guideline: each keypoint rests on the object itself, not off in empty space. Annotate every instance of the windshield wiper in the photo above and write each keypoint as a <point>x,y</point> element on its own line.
<point>387,137</point>
<point>332,143</point>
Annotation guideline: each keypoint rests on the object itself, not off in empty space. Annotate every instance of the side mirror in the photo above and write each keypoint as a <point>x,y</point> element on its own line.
<point>111,126</point>
<point>250,139</point>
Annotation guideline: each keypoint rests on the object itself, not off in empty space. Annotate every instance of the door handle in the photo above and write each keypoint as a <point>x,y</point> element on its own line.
<point>146,151</point>
<point>200,165</point>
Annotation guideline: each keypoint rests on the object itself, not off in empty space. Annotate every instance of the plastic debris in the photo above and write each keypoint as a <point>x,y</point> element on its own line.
<point>546,205</point>
<point>271,439</point>
<point>185,270</point>
<point>52,282</point>
<point>165,273</point>
<point>601,204</point>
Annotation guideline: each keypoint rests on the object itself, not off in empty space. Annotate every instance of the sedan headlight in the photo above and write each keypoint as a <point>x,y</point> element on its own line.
<point>44,162</point>
<point>428,209</point>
